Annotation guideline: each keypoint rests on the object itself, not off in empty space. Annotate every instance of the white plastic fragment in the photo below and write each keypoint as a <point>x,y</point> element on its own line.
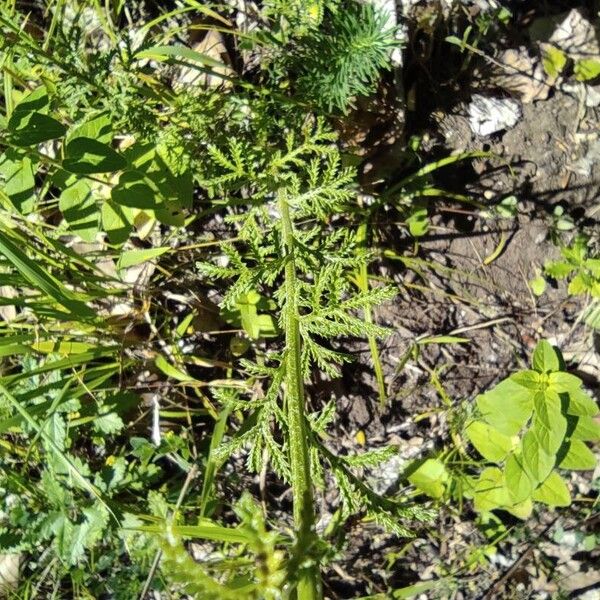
<point>489,115</point>
<point>589,95</point>
<point>576,36</point>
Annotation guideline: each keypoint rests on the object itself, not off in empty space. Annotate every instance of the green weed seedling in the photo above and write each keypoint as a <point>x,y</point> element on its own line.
<point>341,59</point>
<point>582,272</point>
<point>555,62</point>
<point>527,430</point>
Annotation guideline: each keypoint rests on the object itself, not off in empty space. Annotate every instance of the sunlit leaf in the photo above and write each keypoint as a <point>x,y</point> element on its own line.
<point>553,491</point>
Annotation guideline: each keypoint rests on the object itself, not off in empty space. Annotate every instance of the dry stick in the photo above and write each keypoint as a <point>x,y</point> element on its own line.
<point>468,328</point>
<point>156,561</point>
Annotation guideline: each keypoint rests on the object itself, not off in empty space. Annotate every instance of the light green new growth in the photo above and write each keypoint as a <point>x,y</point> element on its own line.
<point>529,427</point>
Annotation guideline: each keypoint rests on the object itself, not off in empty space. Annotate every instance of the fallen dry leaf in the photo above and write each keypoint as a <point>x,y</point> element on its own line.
<point>523,75</point>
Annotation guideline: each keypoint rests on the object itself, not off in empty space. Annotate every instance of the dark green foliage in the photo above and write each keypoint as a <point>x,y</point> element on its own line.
<point>97,140</point>
<point>330,65</point>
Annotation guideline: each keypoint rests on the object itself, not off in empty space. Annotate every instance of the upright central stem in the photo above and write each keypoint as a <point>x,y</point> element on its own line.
<point>304,513</point>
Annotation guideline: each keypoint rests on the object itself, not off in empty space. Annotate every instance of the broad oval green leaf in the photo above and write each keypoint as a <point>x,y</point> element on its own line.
<point>578,457</point>
<point>581,404</point>
<point>553,60</point>
<point>116,221</point>
<point>98,128</point>
<point>135,190</point>
<point>30,123</point>
<point>34,128</point>
<point>170,215</point>
<point>430,478</point>
<point>545,358</point>
<point>587,69</point>
<point>530,380</point>
<point>549,424</point>
<point>521,510</point>
<point>562,382</point>
<point>490,443</point>
<point>35,101</point>
<point>507,407</point>
<point>537,462</point>
<point>518,482</point>
<point>18,183</point>
<point>78,207</point>
<point>553,492</point>
<point>587,429</point>
<point>490,491</point>
<point>87,156</point>
<point>418,222</point>
<point>538,285</point>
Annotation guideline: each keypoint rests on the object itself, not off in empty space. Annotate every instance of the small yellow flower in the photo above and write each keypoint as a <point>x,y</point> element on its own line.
<point>314,12</point>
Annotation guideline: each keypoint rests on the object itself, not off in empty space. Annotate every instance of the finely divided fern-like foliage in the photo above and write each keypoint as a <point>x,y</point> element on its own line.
<point>342,58</point>
<point>259,573</point>
<point>275,174</point>
<point>299,197</point>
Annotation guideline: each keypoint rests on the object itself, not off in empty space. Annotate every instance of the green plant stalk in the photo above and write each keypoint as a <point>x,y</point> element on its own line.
<point>368,317</point>
<point>8,83</point>
<point>304,514</point>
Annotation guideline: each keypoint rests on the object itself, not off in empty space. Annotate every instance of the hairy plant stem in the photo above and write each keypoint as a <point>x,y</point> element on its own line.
<point>309,584</point>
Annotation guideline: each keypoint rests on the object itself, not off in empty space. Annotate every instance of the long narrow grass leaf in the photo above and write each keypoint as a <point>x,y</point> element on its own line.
<point>42,280</point>
<point>73,470</point>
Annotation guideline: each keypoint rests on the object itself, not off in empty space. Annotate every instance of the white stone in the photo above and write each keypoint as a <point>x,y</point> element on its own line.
<point>489,115</point>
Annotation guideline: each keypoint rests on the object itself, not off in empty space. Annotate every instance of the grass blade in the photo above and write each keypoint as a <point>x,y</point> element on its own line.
<point>42,280</point>
<point>180,52</point>
<point>89,487</point>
